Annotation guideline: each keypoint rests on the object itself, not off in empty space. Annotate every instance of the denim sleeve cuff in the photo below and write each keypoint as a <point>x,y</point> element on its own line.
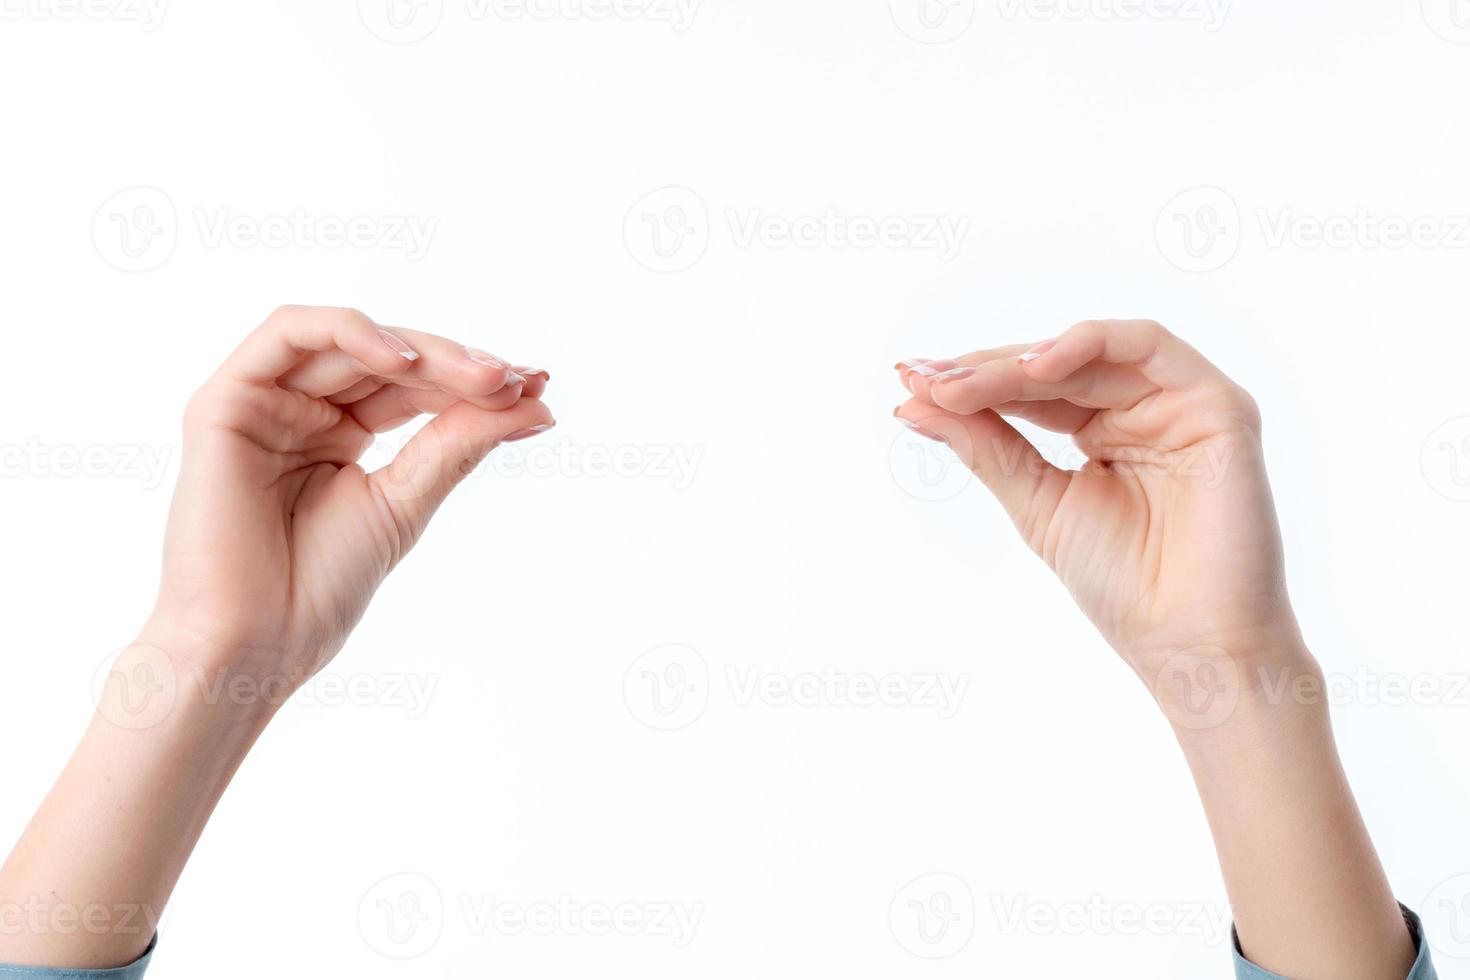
<point>1423,969</point>
<point>133,971</point>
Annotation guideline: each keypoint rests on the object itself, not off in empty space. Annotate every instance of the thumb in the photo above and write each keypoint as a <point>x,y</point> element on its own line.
<point>447,450</point>
<point>1027,486</point>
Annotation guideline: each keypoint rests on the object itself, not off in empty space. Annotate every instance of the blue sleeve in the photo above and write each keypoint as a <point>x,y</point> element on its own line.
<point>1423,969</point>
<point>133,971</point>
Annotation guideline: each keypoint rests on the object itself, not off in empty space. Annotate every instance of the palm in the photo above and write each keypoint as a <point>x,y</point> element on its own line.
<point>288,543</point>
<point>1168,537</point>
<point>1153,552</point>
<point>277,539</point>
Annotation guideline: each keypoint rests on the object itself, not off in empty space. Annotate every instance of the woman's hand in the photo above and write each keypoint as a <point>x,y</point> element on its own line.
<point>1168,540</point>
<point>1167,537</point>
<point>277,538</point>
<point>276,541</point>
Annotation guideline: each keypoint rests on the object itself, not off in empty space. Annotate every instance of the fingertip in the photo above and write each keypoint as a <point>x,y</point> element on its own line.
<point>947,397</point>
<point>487,374</point>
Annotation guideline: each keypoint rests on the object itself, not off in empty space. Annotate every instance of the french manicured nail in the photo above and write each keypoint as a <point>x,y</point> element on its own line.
<point>531,372</point>
<point>954,374</point>
<point>911,363</point>
<point>534,430</point>
<point>480,357</point>
<point>915,427</point>
<point>1037,351</point>
<point>511,378</point>
<point>928,369</point>
<point>399,347</point>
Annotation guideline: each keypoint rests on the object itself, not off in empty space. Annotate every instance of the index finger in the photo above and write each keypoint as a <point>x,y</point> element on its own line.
<point>292,333</point>
<point>1097,364</point>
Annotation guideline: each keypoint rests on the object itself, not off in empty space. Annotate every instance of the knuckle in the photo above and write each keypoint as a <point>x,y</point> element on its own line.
<point>284,314</point>
<point>218,404</point>
<point>206,408</point>
<point>1152,329</point>
<point>1239,405</point>
<point>348,317</point>
<point>197,407</point>
<point>1248,409</point>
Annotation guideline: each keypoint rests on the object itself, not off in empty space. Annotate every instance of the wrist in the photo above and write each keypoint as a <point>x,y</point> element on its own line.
<point>170,672</point>
<point>1235,683</point>
<point>1265,712</point>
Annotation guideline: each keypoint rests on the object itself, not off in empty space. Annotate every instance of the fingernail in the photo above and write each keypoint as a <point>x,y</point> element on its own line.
<point>399,347</point>
<point>1037,351</point>
<point>953,375</point>
<point>534,430</point>
<point>912,363</point>
<point>531,372</point>
<point>480,357</point>
<point>928,369</point>
<point>915,427</point>
<point>514,379</point>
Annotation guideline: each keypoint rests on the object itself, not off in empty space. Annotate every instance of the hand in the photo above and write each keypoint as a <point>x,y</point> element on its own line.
<point>277,539</point>
<point>1167,537</point>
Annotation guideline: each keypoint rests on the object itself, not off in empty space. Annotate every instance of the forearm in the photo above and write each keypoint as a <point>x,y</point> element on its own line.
<point>1310,896</point>
<point>90,876</point>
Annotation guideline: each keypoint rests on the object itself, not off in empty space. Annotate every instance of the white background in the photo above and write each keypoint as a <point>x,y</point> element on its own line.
<point>809,536</point>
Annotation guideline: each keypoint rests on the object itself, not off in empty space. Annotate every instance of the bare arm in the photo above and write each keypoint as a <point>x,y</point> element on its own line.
<point>1168,540</point>
<point>276,541</point>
